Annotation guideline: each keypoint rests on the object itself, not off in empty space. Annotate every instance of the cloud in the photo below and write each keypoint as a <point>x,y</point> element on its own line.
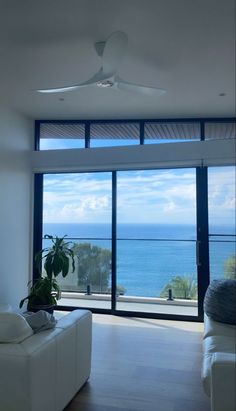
<point>158,196</point>
<point>221,196</point>
<point>161,196</point>
<point>86,209</point>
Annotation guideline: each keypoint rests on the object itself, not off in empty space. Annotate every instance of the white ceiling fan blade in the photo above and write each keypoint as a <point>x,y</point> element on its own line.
<point>98,77</point>
<point>138,88</point>
<point>57,90</point>
<point>113,52</point>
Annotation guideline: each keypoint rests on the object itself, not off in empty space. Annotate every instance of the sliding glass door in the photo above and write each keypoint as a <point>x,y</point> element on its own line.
<point>134,237</point>
<point>78,206</point>
<point>156,242</point>
<point>141,237</point>
<point>222,231</point>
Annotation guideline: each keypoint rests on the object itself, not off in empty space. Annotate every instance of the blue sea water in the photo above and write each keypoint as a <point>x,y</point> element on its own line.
<point>149,255</point>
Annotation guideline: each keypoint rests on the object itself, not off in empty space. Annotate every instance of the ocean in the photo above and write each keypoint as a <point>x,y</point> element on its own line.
<point>150,255</point>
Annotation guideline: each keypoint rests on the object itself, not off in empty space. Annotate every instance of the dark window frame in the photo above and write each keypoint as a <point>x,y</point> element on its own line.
<point>38,229</point>
<point>141,122</point>
<point>202,216</point>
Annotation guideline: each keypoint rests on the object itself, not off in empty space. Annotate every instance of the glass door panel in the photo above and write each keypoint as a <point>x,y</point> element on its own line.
<point>156,241</point>
<point>222,234</point>
<point>79,206</point>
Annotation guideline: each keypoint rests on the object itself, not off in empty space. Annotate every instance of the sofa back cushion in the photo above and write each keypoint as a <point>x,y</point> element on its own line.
<point>220,301</point>
<point>13,328</point>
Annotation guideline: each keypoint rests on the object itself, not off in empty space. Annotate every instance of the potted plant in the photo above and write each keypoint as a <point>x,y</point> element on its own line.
<point>45,291</point>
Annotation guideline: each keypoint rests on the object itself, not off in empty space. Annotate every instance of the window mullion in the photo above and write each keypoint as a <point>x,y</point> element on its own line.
<point>202,236</point>
<point>114,242</point>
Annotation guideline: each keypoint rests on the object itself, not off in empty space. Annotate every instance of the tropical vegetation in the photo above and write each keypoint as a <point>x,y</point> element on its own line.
<point>184,287</point>
<point>92,271</point>
<point>230,267</point>
<point>50,262</point>
<point>93,267</point>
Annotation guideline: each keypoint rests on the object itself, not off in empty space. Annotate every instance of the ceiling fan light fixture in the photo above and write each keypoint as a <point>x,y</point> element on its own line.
<point>105,83</point>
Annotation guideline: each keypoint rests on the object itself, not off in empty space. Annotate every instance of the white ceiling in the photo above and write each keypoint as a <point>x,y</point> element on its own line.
<point>184,46</point>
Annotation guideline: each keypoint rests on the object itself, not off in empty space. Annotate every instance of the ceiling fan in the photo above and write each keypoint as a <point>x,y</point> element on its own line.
<point>111,51</point>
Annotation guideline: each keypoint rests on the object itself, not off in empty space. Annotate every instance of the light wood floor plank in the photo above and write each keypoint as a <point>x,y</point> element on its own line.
<point>143,365</point>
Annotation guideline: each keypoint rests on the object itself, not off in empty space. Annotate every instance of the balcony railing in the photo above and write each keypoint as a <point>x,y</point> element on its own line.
<point>144,268</point>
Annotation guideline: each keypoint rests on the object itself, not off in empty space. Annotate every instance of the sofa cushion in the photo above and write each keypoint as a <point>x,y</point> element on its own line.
<point>220,301</point>
<point>220,366</point>
<point>219,343</point>
<point>40,321</point>
<point>212,327</point>
<point>13,328</point>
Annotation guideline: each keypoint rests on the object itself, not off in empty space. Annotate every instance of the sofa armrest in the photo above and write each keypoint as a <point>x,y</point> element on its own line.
<point>223,382</point>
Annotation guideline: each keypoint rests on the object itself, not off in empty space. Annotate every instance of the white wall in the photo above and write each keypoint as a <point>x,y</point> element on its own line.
<point>16,139</point>
<point>189,154</point>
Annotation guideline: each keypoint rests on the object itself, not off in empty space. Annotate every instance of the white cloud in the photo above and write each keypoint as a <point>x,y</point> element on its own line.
<point>143,196</point>
<point>222,196</point>
<point>169,207</point>
<point>76,198</point>
<point>163,196</point>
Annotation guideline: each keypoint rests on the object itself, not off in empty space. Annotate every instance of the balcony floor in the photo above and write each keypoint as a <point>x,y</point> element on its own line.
<point>128,303</point>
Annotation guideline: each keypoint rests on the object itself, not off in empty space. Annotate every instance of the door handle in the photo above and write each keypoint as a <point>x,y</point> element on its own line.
<point>198,262</point>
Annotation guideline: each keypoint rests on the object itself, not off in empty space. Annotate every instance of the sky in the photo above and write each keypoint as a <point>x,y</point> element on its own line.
<point>55,144</point>
<point>146,196</point>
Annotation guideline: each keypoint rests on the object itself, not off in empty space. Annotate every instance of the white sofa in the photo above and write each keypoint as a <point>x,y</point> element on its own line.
<point>219,364</point>
<point>45,370</point>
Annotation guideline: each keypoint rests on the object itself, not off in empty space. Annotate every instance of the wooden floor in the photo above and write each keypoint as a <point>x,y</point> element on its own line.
<point>145,365</point>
